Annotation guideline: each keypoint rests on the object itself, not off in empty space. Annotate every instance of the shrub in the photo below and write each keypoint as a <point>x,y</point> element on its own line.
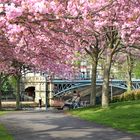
<point>127,96</point>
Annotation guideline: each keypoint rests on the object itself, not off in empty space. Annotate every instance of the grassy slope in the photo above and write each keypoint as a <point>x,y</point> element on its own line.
<point>124,115</point>
<point>4,135</point>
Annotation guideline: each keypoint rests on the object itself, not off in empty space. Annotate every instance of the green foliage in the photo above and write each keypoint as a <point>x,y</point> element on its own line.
<point>6,87</point>
<point>121,69</point>
<point>120,115</point>
<point>77,63</point>
<point>127,96</point>
<point>12,80</point>
<point>136,69</point>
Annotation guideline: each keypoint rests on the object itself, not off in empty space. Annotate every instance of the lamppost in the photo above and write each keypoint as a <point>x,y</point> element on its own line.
<point>50,88</point>
<point>47,91</point>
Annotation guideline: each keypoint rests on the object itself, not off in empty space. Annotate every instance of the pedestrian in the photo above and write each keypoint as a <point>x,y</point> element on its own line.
<point>40,102</point>
<point>76,100</point>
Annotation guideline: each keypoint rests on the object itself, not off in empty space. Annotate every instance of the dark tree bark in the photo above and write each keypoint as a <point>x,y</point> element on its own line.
<point>105,87</point>
<point>130,63</point>
<point>112,43</point>
<point>94,53</point>
<point>93,83</point>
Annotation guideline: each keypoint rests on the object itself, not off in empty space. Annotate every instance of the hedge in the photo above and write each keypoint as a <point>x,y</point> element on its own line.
<point>127,96</point>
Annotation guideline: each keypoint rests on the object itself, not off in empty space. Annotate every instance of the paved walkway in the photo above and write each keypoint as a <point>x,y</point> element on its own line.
<point>54,125</point>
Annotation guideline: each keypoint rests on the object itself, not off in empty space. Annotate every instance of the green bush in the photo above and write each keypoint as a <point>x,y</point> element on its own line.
<point>127,96</point>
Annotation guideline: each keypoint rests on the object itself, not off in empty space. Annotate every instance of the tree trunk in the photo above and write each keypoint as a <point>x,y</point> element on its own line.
<point>0,100</point>
<point>18,93</point>
<point>129,72</point>
<point>129,81</point>
<point>105,87</point>
<point>93,83</point>
<point>0,92</point>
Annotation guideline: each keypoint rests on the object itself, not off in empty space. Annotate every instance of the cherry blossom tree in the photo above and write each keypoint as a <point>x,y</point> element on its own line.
<point>8,63</point>
<point>116,22</point>
<point>52,30</point>
<point>33,38</point>
<point>26,44</point>
<point>5,60</point>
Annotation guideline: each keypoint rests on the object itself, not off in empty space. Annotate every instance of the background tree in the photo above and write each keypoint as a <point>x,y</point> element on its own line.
<point>3,78</point>
<point>136,69</point>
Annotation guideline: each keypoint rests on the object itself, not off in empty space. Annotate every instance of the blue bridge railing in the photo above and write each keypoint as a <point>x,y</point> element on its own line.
<point>63,86</point>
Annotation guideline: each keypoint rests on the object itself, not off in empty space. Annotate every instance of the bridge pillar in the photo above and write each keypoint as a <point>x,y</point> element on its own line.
<point>50,92</point>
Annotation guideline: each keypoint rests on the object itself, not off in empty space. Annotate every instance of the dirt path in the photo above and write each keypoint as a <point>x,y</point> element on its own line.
<point>54,125</point>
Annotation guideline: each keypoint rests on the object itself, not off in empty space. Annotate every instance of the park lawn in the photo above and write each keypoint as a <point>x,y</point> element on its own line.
<point>4,135</point>
<point>2,112</point>
<point>121,115</point>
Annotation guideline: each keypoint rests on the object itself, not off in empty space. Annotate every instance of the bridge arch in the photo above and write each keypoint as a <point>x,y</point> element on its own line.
<point>33,87</point>
<point>67,85</point>
<point>29,93</point>
<point>77,86</point>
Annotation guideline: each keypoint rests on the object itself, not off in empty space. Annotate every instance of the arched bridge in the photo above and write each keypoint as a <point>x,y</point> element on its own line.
<point>64,86</point>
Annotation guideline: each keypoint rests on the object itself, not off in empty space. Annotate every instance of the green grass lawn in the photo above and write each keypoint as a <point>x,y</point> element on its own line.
<point>4,135</point>
<point>123,115</point>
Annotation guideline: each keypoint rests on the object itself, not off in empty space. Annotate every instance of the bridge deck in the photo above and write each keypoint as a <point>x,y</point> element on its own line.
<point>63,86</point>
